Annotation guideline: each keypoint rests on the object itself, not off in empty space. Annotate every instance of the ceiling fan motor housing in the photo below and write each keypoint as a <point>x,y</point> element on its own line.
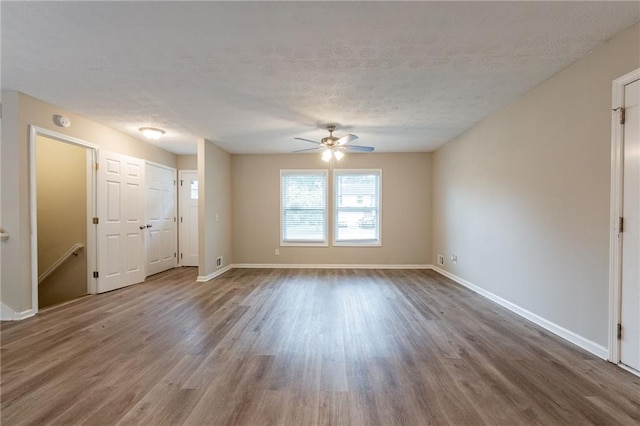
<point>330,140</point>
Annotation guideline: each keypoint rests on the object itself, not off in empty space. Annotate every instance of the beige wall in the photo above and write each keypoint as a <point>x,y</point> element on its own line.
<point>61,174</point>
<point>187,162</point>
<point>19,111</point>
<point>523,197</point>
<point>8,167</point>
<point>406,210</point>
<point>214,207</point>
<point>1,227</point>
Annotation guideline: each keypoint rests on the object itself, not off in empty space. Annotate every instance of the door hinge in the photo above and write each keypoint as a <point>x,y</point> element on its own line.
<point>622,114</point>
<point>175,254</point>
<point>96,166</point>
<point>621,225</point>
<point>181,255</point>
<point>95,220</point>
<point>174,218</point>
<point>181,182</point>
<point>95,274</point>
<point>619,331</point>
<point>181,219</point>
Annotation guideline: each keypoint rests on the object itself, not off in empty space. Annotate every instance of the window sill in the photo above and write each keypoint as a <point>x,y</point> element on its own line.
<point>303,244</point>
<point>369,243</point>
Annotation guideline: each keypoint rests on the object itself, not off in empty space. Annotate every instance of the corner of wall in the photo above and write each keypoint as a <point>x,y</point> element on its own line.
<point>8,314</point>
<point>214,207</point>
<point>10,249</point>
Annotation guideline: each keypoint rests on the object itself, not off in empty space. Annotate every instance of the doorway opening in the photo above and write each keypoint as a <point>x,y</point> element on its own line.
<point>62,189</point>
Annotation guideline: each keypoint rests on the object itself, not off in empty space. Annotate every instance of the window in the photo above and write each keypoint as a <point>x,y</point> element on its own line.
<point>357,207</point>
<point>304,207</point>
<point>193,187</point>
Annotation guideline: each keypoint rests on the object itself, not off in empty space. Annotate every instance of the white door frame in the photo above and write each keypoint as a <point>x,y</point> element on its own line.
<point>615,240</point>
<point>92,158</point>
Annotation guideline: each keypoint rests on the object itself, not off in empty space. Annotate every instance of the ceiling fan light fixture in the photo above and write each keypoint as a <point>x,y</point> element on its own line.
<point>334,147</point>
<point>151,132</point>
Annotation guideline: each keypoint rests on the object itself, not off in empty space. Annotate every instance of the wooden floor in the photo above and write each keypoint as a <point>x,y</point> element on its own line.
<point>301,347</point>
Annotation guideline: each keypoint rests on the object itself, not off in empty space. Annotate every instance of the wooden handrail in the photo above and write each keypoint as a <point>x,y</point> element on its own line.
<point>72,251</point>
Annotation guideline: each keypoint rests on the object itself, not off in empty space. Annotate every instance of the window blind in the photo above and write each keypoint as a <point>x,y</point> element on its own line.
<point>357,206</point>
<point>304,207</point>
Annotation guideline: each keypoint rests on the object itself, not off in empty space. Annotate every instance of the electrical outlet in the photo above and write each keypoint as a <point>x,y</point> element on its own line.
<point>277,252</point>
<point>218,262</point>
<point>440,260</point>
<point>454,258</point>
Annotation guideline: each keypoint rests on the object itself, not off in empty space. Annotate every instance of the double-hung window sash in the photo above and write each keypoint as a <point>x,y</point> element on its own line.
<point>357,218</point>
<point>304,207</point>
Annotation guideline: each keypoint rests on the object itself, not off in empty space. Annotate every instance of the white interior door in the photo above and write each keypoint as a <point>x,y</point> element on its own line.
<point>630,289</point>
<point>188,218</point>
<point>161,225</point>
<point>121,220</point>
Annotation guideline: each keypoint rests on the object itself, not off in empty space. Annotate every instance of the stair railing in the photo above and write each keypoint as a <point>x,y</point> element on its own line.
<point>73,251</point>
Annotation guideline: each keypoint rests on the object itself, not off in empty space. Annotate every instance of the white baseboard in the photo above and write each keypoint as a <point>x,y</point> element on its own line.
<point>325,266</point>
<point>8,314</point>
<point>205,278</point>
<point>576,339</point>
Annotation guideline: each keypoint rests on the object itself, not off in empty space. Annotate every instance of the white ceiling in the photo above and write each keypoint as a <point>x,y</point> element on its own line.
<point>250,76</point>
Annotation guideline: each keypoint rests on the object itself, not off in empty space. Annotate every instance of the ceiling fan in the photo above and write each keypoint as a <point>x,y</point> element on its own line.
<point>334,146</point>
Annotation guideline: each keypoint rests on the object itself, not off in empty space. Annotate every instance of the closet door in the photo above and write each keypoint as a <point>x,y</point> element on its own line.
<point>161,225</point>
<point>121,221</point>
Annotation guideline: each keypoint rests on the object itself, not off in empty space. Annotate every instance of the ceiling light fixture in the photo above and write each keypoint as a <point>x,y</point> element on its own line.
<point>334,147</point>
<point>151,132</point>
<point>328,153</point>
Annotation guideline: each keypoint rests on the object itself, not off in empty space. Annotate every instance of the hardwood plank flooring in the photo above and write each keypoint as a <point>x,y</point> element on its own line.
<point>301,347</point>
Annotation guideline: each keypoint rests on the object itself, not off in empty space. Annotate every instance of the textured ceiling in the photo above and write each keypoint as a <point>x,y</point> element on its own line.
<point>251,76</point>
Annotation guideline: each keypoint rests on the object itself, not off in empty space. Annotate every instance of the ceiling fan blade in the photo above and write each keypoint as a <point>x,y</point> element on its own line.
<point>308,149</point>
<point>358,148</point>
<point>307,140</point>
<point>346,139</point>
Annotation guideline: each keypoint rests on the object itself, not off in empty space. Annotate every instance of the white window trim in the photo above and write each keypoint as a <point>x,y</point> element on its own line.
<point>356,243</point>
<point>324,243</point>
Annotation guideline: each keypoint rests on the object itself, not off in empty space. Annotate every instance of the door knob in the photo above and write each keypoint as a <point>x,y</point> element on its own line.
<point>142,227</point>
<point>149,226</point>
